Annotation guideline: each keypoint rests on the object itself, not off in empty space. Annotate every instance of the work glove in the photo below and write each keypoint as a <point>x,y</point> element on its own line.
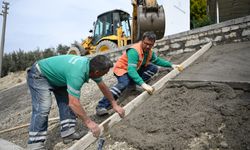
<point>148,88</point>
<point>179,67</point>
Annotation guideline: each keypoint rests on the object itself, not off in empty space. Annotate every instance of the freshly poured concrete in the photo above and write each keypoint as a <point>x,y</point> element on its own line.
<point>229,62</point>
<point>196,115</point>
<point>6,145</point>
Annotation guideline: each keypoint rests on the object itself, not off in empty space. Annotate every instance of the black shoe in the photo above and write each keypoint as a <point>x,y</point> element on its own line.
<point>101,111</point>
<point>72,137</point>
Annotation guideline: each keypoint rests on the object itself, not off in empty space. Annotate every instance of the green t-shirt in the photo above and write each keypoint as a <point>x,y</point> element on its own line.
<point>133,58</point>
<point>67,70</point>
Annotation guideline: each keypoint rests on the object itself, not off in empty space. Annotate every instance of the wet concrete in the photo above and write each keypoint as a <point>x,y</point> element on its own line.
<point>6,145</point>
<point>196,115</point>
<point>189,115</point>
<point>230,62</point>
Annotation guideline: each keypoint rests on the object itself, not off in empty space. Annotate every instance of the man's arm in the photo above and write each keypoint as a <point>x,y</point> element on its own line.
<point>159,61</point>
<point>133,59</point>
<point>106,92</point>
<point>164,63</point>
<point>76,107</point>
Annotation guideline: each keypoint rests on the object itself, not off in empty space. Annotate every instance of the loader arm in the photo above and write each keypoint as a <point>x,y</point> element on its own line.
<point>147,16</point>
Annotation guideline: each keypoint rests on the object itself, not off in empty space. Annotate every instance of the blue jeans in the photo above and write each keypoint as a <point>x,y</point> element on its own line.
<point>124,81</point>
<point>41,90</point>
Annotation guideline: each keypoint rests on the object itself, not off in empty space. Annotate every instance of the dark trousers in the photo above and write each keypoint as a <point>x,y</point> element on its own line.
<point>124,81</point>
<point>41,90</point>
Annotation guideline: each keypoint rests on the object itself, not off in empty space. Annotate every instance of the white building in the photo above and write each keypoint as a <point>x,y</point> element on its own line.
<point>177,15</point>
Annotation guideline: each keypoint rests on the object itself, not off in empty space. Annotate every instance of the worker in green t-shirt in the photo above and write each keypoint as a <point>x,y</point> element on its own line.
<point>64,76</point>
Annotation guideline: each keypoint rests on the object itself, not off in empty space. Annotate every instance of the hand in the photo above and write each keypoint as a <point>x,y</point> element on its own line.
<point>119,110</point>
<point>179,67</point>
<point>148,88</point>
<point>93,127</point>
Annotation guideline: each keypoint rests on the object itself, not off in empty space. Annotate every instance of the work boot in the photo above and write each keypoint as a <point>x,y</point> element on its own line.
<point>72,137</point>
<point>101,111</point>
<point>36,146</point>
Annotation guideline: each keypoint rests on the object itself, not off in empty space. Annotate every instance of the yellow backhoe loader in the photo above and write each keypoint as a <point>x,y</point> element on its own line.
<point>112,29</point>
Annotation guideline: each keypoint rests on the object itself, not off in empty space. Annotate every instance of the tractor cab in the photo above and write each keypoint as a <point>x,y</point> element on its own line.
<point>107,26</point>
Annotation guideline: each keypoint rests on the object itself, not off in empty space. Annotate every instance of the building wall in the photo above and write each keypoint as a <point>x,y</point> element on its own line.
<point>228,9</point>
<point>177,13</point>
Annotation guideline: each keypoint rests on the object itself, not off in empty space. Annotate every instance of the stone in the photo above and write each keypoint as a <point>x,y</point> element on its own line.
<point>246,32</point>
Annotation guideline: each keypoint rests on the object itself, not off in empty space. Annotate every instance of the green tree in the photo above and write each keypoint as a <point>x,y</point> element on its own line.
<point>20,60</point>
<point>198,13</point>
<point>62,49</point>
<point>6,64</point>
<point>48,53</point>
<point>13,66</point>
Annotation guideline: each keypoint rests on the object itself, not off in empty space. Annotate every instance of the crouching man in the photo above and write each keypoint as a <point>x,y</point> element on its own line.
<point>136,66</point>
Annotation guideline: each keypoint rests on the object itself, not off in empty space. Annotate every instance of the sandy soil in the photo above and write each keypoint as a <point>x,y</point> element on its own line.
<point>212,114</point>
<point>12,79</point>
<point>203,115</point>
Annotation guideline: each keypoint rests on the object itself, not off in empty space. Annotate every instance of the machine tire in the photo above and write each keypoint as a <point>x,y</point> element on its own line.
<point>74,51</point>
<point>105,46</point>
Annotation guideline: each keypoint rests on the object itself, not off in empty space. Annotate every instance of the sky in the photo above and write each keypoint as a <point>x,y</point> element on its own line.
<point>33,24</point>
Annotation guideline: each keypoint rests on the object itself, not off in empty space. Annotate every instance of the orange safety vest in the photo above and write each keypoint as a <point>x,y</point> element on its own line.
<point>121,66</point>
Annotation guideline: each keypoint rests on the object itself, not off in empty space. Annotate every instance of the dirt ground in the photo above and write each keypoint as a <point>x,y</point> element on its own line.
<point>184,115</point>
<point>15,106</point>
<point>12,79</point>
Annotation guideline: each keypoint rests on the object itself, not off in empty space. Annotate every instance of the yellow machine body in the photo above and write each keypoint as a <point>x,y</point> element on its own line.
<point>112,29</point>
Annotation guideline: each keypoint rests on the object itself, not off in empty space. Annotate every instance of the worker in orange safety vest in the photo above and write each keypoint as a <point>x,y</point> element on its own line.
<point>136,66</point>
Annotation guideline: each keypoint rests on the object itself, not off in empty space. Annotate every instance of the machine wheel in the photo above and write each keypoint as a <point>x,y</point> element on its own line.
<point>105,46</point>
<point>76,51</point>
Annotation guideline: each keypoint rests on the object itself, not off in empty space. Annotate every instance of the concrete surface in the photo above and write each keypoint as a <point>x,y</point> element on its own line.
<point>230,62</point>
<point>6,145</point>
<point>194,115</point>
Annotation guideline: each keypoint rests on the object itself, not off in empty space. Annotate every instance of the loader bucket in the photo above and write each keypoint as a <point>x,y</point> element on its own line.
<point>151,20</point>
